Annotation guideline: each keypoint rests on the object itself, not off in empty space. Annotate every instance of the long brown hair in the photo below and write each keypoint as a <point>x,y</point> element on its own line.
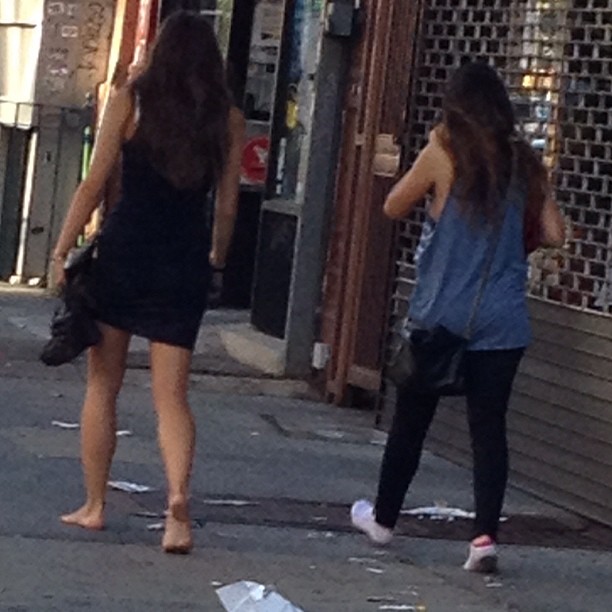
<point>184,103</point>
<point>479,132</point>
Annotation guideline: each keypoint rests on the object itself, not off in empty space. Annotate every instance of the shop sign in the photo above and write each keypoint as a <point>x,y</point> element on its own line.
<point>255,161</point>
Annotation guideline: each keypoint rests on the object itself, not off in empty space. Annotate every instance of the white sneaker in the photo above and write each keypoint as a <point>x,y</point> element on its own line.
<point>362,517</point>
<point>482,557</point>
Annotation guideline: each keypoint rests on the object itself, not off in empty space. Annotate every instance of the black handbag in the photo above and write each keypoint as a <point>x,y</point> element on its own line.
<point>73,326</point>
<point>431,361</point>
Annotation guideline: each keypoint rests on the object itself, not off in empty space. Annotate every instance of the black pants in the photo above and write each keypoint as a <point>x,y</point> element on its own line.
<point>489,378</point>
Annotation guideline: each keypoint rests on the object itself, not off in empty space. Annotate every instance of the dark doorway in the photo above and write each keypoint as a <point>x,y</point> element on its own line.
<point>13,156</point>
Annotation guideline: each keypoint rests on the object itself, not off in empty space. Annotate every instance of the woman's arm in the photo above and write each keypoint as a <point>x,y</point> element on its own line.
<point>416,183</point>
<point>106,152</point>
<point>552,224</point>
<point>226,206</point>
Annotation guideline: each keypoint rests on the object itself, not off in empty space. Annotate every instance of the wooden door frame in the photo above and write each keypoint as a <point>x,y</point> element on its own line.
<point>368,113</point>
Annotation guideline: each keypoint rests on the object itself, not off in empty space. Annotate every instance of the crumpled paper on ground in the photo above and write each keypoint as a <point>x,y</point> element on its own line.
<point>440,513</point>
<point>236,503</point>
<point>128,487</point>
<point>443,513</point>
<point>65,425</point>
<point>246,596</point>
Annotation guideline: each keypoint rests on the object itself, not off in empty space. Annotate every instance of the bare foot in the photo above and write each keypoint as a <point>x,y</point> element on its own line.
<point>177,538</point>
<point>85,517</point>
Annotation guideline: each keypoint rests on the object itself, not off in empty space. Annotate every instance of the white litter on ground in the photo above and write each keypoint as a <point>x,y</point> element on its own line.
<point>246,596</point>
<point>128,487</point>
<point>443,513</point>
<point>155,527</point>
<point>236,503</point>
<point>64,425</point>
<point>406,607</point>
<point>151,515</point>
<point>320,535</point>
<point>439,513</point>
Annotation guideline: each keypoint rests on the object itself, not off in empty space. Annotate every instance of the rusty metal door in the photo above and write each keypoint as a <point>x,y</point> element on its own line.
<point>360,258</point>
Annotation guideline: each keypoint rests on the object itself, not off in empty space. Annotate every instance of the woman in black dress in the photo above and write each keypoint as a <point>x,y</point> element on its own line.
<point>180,142</point>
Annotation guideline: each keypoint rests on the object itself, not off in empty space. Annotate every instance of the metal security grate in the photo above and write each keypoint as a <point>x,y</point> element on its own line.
<point>584,171</point>
<point>556,57</point>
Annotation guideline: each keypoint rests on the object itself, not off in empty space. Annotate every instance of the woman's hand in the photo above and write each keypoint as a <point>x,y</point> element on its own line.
<point>216,263</point>
<point>435,133</point>
<point>415,184</point>
<point>59,274</point>
<point>439,135</point>
<point>135,70</point>
<point>553,225</point>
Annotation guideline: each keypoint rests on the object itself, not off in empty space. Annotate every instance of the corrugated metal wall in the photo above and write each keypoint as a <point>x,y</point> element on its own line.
<point>560,420</point>
<point>556,59</point>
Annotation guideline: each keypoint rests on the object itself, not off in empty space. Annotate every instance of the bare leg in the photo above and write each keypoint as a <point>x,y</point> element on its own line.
<point>105,371</point>
<point>170,381</point>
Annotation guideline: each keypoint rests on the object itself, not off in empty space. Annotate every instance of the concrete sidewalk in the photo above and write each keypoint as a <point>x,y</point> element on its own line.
<point>273,480</point>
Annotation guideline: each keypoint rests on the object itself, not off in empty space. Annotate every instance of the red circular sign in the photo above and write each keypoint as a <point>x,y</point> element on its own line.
<point>255,160</point>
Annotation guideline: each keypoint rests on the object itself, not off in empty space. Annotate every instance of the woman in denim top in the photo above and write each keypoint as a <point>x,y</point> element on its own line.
<point>486,183</point>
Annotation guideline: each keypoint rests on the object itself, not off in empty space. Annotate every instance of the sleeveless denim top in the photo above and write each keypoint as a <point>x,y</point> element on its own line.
<point>450,260</point>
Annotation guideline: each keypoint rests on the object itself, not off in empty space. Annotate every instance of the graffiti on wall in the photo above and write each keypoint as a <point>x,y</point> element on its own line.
<point>91,39</point>
<point>74,50</point>
<point>61,17</point>
<point>57,69</point>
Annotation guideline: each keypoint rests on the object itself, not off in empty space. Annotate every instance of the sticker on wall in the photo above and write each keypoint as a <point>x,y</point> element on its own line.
<point>56,8</point>
<point>255,160</point>
<point>70,31</point>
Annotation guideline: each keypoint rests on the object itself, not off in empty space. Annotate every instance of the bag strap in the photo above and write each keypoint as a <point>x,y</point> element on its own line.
<point>490,254</point>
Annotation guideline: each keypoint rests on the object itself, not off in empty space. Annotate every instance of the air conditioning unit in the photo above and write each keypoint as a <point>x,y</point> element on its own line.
<point>20,36</point>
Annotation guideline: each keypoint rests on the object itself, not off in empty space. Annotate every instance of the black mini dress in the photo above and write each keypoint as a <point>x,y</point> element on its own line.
<point>152,274</point>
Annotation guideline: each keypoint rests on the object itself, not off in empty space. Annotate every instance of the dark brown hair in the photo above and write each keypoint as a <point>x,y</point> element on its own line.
<point>479,132</point>
<point>184,103</point>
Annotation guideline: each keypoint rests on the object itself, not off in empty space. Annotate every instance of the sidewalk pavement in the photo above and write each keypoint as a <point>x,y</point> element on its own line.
<point>271,474</point>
